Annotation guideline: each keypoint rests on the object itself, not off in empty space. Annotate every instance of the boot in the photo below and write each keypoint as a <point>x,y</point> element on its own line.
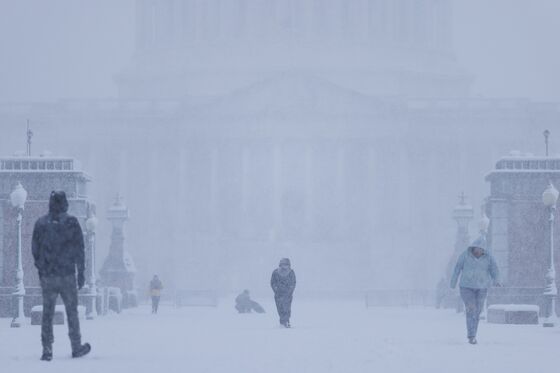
<point>47,353</point>
<point>81,350</point>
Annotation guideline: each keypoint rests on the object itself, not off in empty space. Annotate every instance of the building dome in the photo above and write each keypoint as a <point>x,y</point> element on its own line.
<point>382,47</point>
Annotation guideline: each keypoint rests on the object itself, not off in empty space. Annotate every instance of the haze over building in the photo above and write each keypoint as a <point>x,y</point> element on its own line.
<point>333,132</point>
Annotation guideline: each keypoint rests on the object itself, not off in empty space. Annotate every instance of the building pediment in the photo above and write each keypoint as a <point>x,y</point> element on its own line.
<point>293,94</point>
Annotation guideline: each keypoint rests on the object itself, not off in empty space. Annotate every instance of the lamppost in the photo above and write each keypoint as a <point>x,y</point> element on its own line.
<point>91,225</point>
<point>483,225</point>
<point>550,197</point>
<point>18,198</point>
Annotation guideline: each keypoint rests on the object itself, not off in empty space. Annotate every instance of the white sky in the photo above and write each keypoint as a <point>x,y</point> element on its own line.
<point>71,48</point>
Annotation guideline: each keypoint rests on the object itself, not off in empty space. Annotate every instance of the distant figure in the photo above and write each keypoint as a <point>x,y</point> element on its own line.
<point>58,250</point>
<point>478,272</point>
<point>244,303</point>
<point>283,283</point>
<point>155,292</point>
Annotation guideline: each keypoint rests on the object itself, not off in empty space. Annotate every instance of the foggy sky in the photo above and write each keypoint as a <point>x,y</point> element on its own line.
<point>71,48</point>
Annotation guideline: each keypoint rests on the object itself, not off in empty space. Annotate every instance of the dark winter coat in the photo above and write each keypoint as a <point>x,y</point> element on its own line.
<point>283,284</point>
<point>58,242</point>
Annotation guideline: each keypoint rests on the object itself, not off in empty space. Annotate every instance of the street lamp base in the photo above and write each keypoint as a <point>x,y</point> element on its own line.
<point>16,323</point>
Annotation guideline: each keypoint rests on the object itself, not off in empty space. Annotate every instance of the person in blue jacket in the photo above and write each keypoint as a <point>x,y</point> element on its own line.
<point>478,271</point>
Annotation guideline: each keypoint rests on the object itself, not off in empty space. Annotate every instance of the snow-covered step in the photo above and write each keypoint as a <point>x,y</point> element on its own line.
<point>59,314</point>
<point>513,314</point>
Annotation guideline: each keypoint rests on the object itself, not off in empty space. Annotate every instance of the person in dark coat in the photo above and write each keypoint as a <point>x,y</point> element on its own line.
<point>155,292</point>
<point>283,283</point>
<point>244,303</point>
<point>58,252</point>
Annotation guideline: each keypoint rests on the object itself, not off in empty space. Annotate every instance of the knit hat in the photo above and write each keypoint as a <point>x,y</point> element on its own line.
<point>479,242</point>
<point>58,202</point>
<point>285,261</point>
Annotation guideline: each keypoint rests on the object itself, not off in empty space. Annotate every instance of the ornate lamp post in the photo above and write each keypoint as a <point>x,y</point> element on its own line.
<point>483,225</point>
<point>18,198</point>
<point>550,197</point>
<point>91,225</point>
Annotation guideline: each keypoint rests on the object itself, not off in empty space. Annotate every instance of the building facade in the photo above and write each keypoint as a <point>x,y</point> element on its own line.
<point>329,131</point>
<point>39,176</point>
<point>386,47</point>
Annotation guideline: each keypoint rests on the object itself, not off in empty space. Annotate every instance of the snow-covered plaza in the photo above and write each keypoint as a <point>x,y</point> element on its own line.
<point>328,336</point>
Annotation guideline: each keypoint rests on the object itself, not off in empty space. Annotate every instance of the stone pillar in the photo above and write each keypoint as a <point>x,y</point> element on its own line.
<point>214,186</point>
<point>309,181</point>
<point>499,236</point>
<point>340,180</point>
<point>277,184</point>
<point>141,26</point>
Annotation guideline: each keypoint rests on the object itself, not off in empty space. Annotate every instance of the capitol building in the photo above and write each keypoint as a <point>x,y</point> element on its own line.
<point>334,132</point>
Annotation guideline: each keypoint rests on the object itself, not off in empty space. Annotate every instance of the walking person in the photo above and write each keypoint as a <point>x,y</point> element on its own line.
<point>58,252</point>
<point>283,283</point>
<point>478,271</point>
<point>155,292</point>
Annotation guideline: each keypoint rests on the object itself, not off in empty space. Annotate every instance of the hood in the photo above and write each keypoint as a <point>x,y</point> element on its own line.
<point>58,202</point>
<point>285,261</point>
<point>479,242</point>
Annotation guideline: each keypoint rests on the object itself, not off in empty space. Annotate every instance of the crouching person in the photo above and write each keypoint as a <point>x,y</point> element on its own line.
<point>58,252</point>
<point>244,303</point>
<point>478,271</point>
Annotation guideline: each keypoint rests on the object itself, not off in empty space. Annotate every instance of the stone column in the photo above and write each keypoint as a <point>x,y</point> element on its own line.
<point>309,202</point>
<point>277,206</point>
<point>141,26</point>
<point>499,234</point>
<point>245,187</point>
<point>340,180</point>
<point>214,186</point>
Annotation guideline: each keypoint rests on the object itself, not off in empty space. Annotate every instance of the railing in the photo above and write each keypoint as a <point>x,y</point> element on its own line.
<point>400,298</point>
<point>193,298</point>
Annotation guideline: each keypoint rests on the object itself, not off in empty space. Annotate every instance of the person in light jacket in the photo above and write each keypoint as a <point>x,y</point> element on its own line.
<point>478,271</point>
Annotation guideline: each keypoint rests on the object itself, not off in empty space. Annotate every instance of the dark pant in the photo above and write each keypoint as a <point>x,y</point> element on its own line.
<point>68,290</point>
<point>284,307</point>
<point>155,304</point>
<point>474,302</point>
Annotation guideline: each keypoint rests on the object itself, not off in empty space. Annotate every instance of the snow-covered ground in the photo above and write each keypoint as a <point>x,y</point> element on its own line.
<point>328,336</point>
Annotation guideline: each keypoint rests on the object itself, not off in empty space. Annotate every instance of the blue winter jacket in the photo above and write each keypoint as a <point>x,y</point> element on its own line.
<point>476,273</point>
